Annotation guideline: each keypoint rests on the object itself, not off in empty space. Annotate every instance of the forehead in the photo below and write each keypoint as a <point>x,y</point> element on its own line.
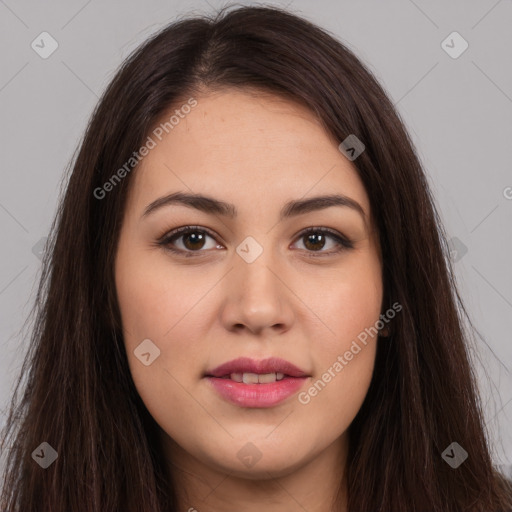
<point>251,148</point>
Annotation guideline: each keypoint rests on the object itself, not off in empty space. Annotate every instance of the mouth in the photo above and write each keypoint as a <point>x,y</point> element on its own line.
<point>250,367</point>
<point>255,378</point>
<point>250,383</point>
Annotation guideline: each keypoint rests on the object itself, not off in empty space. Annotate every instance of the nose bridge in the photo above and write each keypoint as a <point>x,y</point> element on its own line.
<point>257,297</point>
<point>255,266</point>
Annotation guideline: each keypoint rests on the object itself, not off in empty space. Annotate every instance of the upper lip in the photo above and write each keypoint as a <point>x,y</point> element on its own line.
<point>263,366</point>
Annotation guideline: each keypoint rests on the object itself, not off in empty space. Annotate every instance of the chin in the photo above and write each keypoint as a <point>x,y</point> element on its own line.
<point>264,465</point>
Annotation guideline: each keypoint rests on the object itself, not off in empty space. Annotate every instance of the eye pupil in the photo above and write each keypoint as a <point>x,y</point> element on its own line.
<point>196,237</point>
<point>316,244</point>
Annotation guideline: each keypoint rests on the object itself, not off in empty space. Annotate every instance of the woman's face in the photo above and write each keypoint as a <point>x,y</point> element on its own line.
<point>247,282</point>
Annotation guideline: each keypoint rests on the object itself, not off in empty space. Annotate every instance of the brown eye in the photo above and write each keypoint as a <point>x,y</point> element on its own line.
<point>316,239</point>
<point>188,239</point>
<point>193,240</point>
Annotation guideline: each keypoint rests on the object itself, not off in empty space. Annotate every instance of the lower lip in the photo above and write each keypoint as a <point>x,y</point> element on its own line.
<point>257,395</point>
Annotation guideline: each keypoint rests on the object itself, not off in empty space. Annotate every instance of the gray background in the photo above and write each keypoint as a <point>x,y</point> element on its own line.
<point>458,111</point>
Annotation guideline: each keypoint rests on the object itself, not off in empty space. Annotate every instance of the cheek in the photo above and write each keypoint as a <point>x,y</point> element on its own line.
<point>153,308</point>
<point>345,355</point>
<point>347,300</point>
<point>335,396</point>
<point>344,362</point>
<point>153,301</point>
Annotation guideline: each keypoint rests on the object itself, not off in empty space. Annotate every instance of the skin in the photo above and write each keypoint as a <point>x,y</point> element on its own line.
<point>258,152</point>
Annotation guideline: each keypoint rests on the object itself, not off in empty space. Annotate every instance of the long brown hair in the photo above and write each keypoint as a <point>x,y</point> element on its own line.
<point>79,396</point>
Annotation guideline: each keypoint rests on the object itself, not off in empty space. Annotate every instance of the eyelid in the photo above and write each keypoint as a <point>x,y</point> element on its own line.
<point>170,233</point>
<point>165,239</point>
<point>342,241</point>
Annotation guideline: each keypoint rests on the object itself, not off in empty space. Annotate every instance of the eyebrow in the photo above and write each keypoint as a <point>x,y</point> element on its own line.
<point>210,205</point>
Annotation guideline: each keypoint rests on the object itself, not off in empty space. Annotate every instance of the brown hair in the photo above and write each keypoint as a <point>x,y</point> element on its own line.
<point>79,395</point>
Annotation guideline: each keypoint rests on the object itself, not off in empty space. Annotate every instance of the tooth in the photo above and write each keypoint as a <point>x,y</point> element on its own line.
<point>267,378</point>
<point>254,378</point>
<point>250,378</point>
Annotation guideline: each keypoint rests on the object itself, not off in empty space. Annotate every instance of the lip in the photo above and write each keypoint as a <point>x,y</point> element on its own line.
<point>256,395</point>
<point>248,365</point>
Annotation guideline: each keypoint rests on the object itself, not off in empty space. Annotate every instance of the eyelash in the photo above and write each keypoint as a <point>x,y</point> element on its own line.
<point>166,239</point>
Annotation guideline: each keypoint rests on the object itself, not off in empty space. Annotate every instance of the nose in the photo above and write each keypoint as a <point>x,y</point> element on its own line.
<point>258,298</point>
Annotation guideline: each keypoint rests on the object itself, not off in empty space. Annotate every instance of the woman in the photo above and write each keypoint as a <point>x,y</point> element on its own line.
<point>246,299</point>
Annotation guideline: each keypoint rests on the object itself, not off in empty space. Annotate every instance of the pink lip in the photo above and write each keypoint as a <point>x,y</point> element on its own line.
<point>248,365</point>
<point>256,395</point>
